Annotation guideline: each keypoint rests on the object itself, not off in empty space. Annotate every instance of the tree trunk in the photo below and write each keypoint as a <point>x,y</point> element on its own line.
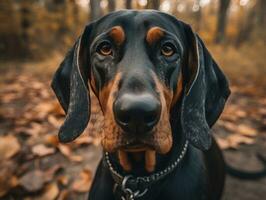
<point>75,12</point>
<point>95,9</point>
<point>153,4</point>
<point>246,28</point>
<point>222,20</point>
<point>128,4</point>
<point>26,24</point>
<point>111,5</point>
<point>254,19</point>
<point>198,16</point>
<point>261,13</point>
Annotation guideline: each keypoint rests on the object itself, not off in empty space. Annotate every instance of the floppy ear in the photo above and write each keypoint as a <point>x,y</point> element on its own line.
<point>206,91</point>
<point>70,86</point>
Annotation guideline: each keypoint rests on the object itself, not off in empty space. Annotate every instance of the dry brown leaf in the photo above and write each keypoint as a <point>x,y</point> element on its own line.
<point>246,130</point>
<point>64,149</point>
<point>50,173</point>
<point>51,140</point>
<point>83,182</point>
<point>63,195</point>
<point>35,129</point>
<point>33,180</point>
<point>228,125</point>
<point>233,141</point>
<point>64,180</point>
<point>223,143</point>
<point>83,140</point>
<point>240,113</point>
<point>7,185</point>
<point>8,180</point>
<point>9,146</point>
<point>76,158</point>
<point>44,107</point>
<point>67,151</point>
<point>42,150</point>
<point>55,121</point>
<point>50,193</point>
<point>57,109</point>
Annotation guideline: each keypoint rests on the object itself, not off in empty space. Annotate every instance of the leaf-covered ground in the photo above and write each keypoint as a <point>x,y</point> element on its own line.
<point>34,165</point>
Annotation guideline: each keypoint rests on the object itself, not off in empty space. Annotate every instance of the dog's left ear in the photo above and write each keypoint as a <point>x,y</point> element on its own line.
<point>205,93</point>
<point>70,86</point>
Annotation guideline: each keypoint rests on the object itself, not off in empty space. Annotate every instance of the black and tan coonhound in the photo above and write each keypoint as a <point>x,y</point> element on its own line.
<point>160,92</point>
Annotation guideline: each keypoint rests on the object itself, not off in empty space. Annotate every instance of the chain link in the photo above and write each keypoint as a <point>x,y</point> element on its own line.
<point>128,193</point>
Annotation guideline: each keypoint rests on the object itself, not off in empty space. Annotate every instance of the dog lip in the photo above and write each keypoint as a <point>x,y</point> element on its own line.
<point>136,147</point>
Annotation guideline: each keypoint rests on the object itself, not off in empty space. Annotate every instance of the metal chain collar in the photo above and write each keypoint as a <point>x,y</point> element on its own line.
<point>124,181</point>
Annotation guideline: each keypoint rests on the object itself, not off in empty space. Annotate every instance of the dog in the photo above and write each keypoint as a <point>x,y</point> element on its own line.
<point>160,92</point>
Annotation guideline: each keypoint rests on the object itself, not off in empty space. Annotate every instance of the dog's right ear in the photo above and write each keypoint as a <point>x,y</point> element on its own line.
<point>206,91</point>
<point>70,84</point>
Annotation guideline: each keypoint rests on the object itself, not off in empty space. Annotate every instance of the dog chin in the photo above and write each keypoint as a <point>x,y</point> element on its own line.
<point>141,156</point>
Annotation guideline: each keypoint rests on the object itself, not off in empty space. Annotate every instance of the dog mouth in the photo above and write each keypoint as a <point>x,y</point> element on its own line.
<point>137,155</point>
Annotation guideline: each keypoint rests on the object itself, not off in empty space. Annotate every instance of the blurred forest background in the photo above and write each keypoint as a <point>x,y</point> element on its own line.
<point>34,37</point>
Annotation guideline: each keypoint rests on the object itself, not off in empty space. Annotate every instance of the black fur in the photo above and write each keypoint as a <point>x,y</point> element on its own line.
<point>200,176</point>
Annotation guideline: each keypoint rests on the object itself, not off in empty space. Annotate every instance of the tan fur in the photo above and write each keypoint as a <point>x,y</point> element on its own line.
<point>123,159</point>
<point>111,131</point>
<point>154,34</point>
<point>179,90</point>
<point>150,160</point>
<point>118,34</point>
<point>163,134</point>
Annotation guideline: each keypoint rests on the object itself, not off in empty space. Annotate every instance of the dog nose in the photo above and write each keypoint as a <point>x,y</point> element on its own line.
<point>137,113</point>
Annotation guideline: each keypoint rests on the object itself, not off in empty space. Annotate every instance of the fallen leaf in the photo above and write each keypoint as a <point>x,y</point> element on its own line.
<point>33,180</point>
<point>83,140</point>
<point>233,141</point>
<point>51,191</point>
<point>63,195</point>
<point>66,151</point>
<point>222,143</point>
<point>246,130</point>
<point>64,180</point>
<point>9,146</point>
<point>55,121</point>
<point>44,107</point>
<point>83,182</point>
<point>42,150</point>
<point>50,173</point>
<point>51,140</point>
<point>34,130</point>
<point>8,179</point>
<point>228,125</point>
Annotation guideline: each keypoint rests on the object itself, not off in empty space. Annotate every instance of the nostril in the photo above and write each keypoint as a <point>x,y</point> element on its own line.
<point>123,117</point>
<point>150,117</point>
<point>137,112</point>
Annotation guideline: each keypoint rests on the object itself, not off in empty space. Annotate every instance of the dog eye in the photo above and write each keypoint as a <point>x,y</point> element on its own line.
<point>105,49</point>
<point>168,49</point>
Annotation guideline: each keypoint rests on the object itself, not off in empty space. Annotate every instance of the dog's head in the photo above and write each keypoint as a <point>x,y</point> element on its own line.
<point>144,67</point>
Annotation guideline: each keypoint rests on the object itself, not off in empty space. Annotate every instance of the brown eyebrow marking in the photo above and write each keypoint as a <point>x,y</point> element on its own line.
<point>154,34</point>
<point>118,34</point>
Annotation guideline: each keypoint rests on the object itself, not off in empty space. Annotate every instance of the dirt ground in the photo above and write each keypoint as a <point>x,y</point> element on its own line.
<point>30,118</point>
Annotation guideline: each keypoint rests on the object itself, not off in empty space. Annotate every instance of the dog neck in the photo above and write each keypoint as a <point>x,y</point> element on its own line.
<point>137,183</point>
